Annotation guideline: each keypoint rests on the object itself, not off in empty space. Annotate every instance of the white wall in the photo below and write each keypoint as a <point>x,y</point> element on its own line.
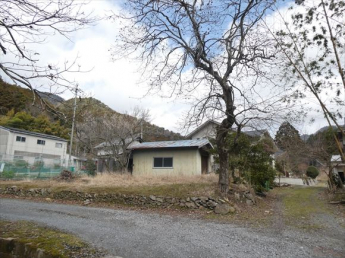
<point>3,141</point>
<point>208,131</point>
<point>29,149</point>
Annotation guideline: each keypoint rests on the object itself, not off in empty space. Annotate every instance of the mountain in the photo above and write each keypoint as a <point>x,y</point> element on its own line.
<point>21,99</point>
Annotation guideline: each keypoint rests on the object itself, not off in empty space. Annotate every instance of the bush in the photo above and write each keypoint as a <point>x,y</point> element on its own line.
<point>7,174</point>
<point>90,167</point>
<point>21,163</point>
<point>262,177</point>
<point>312,172</point>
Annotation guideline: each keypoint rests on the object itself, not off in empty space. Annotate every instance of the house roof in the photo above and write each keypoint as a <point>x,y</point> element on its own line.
<point>25,132</point>
<point>202,126</point>
<point>171,144</point>
<point>336,158</point>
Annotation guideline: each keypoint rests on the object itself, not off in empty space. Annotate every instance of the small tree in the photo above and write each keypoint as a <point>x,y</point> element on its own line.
<point>312,172</point>
<point>253,160</point>
<point>90,167</point>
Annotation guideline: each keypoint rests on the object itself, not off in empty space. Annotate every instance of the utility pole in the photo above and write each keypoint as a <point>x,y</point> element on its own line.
<point>73,121</point>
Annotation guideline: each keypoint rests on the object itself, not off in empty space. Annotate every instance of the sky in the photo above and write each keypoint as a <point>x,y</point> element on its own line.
<point>118,83</point>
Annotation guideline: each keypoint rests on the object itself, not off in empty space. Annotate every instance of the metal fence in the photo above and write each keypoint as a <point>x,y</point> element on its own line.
<point>13,167</point>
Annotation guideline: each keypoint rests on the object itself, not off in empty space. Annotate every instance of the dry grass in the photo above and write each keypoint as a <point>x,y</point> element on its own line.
<point>178,186</point>
<point>111,179</point>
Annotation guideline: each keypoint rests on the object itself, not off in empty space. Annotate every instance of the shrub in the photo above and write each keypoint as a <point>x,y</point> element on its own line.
<point>21,163</point>
<point>7,174</point>
<point>262,177</point>
<point>312,172</point>
<point>90,167</point>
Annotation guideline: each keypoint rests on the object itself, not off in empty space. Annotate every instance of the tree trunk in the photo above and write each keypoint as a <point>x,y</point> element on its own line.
<point>223,182</point>
<point>223,153</point>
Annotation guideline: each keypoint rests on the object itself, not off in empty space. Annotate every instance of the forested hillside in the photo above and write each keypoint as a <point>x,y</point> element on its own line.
<point>18,109</point>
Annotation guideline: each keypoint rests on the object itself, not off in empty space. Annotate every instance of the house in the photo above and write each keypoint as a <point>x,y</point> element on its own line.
<point>183,157</point>
<point>338,167</point>
<point>18,144</point>
<point>76,164</point>
<point>207,130</point>
<point>108,151</point>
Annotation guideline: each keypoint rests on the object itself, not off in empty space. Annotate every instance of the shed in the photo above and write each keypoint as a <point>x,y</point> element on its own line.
<point>183,157</point>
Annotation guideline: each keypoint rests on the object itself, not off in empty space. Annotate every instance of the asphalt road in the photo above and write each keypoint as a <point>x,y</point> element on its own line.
<point>130,234</point>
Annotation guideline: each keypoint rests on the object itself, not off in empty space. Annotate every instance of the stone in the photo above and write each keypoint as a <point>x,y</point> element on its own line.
<point>222,209</point>
<point>87,202</point>
<point>188,199</point>
<point>192,198</point>
<point>159,199</point>
<point>242,187</point>
<point>48,199</point>
<point>203,199</point>
<point>249,196</point>
<point>190,205</point>
<point>237,196</point>
<point>211,204</point>
<point>152,197</point>
<point>249,202</point>
<point>232,209</point>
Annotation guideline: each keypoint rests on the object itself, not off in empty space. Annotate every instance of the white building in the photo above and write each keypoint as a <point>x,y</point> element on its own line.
<point>18,144</point>
<point>207,130</point>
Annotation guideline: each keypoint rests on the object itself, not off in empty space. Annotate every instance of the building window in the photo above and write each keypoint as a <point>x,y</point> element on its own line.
<point>162,162</point>
<point>20,139</point>
<point>41,142</point>
<point>58,145</point>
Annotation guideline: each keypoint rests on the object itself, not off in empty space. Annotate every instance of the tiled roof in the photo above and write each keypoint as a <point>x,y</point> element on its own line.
<point>171,144</point>
<point>40,135</point>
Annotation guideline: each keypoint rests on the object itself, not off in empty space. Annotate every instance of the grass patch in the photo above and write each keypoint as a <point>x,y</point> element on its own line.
<point>303,202</point>
<point>54,242</point>
<point>300,204</point>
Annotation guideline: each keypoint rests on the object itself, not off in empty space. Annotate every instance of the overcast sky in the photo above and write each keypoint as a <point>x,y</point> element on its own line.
<point>117,84</point>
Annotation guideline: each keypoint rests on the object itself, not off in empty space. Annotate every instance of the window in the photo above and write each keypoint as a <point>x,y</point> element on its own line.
<point>162,162</point>
<point>58,145</point>
<point>20,139</point>
<point>41,142</point>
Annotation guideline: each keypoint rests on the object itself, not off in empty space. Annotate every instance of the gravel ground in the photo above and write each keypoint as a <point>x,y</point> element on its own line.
<point>128,234</point>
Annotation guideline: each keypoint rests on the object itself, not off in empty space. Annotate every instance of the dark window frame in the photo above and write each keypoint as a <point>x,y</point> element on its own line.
<point>162,162</point>
<point>41,142</point>
<point>20,138</point>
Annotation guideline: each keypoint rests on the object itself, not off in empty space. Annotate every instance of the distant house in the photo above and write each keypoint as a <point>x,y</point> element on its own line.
<point>338,167</point>
<point>18,144</point>
<point>207,130</point>
<point>183,157</point>
<point>108,151</point>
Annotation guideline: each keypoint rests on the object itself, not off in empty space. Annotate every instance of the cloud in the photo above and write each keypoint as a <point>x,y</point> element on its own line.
<point>116,83</point>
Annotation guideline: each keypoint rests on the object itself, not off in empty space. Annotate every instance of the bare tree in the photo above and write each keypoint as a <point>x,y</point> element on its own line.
<point>210,51</point>
<point>312,45</point>
<point>118,131</point>
<point>25,24</point>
